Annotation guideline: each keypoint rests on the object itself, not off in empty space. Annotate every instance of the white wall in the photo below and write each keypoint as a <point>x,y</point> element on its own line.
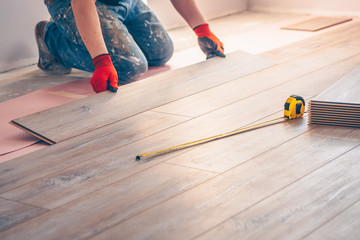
<point>19,17</point>
<point>210,9</point>
<point>17,21</point>
<point>327,7</point>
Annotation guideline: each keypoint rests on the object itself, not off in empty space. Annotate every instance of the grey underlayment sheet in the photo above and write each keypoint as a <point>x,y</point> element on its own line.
<point>339,105</point>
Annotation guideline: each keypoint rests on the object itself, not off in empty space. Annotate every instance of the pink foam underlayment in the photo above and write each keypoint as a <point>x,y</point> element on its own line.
<point>15,142</point>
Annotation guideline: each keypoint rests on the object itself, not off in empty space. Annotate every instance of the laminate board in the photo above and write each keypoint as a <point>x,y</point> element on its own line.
<point>346,90</point>
<point>317,23</point>
<point>347,225</point>
<point>301,207</point>
<point>341,99</point>
<point>316,82</point>
<point>334,109</point>
<point>60,156</point>
<point>113,204</point>
<point>13,213</point>
<point>329,38</point>
<point>348,134</point>
<point>342,115</point>
<point>214,98</point>
<point>336,123</point>
<point>66,121</point>
<point>209,204</point>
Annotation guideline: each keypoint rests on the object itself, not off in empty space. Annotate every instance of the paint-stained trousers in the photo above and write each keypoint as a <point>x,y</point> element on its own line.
<point>133,35</point>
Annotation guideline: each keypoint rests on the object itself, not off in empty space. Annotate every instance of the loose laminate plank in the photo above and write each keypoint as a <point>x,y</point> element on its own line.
<point>66,121</point>
<point>301,207</point>
<point>317,23</point>
<point>209,204</point>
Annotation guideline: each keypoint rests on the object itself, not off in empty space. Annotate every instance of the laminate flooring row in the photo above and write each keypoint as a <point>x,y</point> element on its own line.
<point>289,180</point>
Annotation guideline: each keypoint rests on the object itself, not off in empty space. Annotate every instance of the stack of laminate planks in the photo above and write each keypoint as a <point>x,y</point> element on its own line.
<point>339,105</point>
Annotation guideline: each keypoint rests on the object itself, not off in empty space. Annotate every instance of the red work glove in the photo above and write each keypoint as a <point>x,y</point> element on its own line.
<point>105,76</point>
<point>208,42</point>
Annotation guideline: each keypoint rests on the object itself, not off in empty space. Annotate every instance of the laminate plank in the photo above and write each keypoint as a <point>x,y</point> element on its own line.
<point>346,90</point>
<point>348,134</point>
<point>13,213</point>
<point>37,229</point>
<point>112,204</point>
<point>332,36</point>
<point>340,97</point>
<point>301,207</point>
<point>209,204</point>
<point>60,156</point>
<point>105,108</point>
<point>334,123</point>
<point>317,23</point>
<point>316,82</point>
<point>220,96</point>
<point>347,225</point>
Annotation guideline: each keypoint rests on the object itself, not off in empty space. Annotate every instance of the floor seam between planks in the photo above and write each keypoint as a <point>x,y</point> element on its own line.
<point>174,114</point>
<point>275,192</point>
<point>200,169</point>
<point>27,204</point>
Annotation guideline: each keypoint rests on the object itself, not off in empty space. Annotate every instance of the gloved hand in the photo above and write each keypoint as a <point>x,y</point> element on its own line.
<point>208,42</point>
<point>105,76</point>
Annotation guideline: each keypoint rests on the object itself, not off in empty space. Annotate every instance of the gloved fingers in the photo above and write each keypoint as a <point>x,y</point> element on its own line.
<point>112,84</point>
<point>97,84</point>
<point>211,48</point>
<point>214,54</point>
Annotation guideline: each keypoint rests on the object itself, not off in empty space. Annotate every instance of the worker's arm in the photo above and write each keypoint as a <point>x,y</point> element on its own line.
<point>88,23</point>
<point>208,42</point>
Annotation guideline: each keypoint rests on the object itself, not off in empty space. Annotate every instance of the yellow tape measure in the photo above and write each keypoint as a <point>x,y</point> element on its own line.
<point>294,108</point>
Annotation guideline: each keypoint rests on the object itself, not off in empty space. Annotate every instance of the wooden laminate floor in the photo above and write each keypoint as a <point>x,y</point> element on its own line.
<point>289,180</point>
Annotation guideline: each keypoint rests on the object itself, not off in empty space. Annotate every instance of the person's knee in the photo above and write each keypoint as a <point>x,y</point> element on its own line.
<point>162,55</point>
<point>129,68</point>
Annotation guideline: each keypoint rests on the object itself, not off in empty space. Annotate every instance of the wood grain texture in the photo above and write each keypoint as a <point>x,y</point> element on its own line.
<point>301,207</point>
<point>348,134</point>
<point>345,229</point>
<point>346,90</point>
<point>95,171</point>
<point>274,76</point>
<point>268,183</point>
<point>198,210</point>
<point>224,154</point>
<point>105,108</point>
<point>60,156</point>
<point>338,105</point>
<point>123,200</point>
<point>333,36</point>
<point>13,213</point>
<point>317,23</point>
